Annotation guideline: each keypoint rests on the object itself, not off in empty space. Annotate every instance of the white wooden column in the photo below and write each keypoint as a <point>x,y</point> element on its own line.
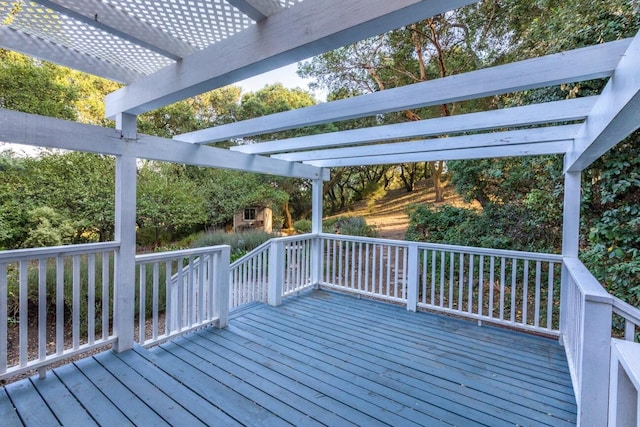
<point>316,230</point>
<point>592,386</point>
<point>125,234</point>
<point>570,237</point>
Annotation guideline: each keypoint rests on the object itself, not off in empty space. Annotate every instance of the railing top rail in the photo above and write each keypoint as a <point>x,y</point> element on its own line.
<point>588,285</point>
<point>294,238</point>
<point>160,256</point>
<point>266,245</point>
<point>626,310</point>
<point>51,251</point>
<point>258,249</point>
<point>453,248</point>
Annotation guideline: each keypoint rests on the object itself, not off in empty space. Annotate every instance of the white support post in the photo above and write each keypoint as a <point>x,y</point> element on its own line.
<point>570,238</point>
<point>624,384</point>
<point>221,287</point>
<point>316,230</point>
<point>276,272</point>
<point>412,278</point>
<point>593,404</point>
<point>125,234</point>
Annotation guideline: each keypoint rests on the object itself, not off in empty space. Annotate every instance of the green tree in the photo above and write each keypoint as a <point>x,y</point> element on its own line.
<point>168,203</point>
<point>33,86</point>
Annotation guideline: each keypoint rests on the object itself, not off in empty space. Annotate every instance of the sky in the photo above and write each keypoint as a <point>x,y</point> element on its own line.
<point>285,75</point>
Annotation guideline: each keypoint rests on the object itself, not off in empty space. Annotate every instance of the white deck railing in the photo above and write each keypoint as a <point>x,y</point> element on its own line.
<point>515,289</point>
<point>249,277</point>
<point>275,269</point>
<point>179,291</point>
<point>73,286</point>
<point>190,287</point>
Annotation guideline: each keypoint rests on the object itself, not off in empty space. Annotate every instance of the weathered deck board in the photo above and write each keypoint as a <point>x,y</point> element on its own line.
<point>319,359</point>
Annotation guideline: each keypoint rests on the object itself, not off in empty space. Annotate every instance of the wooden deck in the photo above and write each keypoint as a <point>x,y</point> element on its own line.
<point>319,359</point>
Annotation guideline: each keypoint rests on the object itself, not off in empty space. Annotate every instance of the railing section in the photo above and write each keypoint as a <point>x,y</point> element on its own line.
<point>72,288</point>
<point>249,277</point>
<point>275,269</point>
<point>372,267</point>
<point>518,289</point>
<point>586,336</point>
<point>630,319</point>
<point>180,291</point>
<point>624,376</point>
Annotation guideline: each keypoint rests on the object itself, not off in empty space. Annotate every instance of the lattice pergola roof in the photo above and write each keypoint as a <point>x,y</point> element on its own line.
<point>170,50</point>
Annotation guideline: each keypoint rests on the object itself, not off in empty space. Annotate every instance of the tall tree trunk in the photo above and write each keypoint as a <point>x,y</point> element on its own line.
<point>437,185</point>
<point>288,221</point>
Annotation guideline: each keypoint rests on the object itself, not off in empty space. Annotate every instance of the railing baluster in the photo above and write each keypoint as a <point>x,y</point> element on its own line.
<point>405,272</point>
<point>502,285</point>
<point>4,289</point>
<point>333,262</point>
<point>492,273</point>
<point>353,265</point>
<point>24,326</point>
<point>536,320</point>
<point>200,315</point>
<point>470,290</point>
<point>42,308</point>
<point>59,304</point>
<point>76,302</point>
<point>142,303</point>
<point>424,276</point>
<point>381,270</point>
<point>155,301</point>
<point>191,297</point>
<point>550,297</point>
<point>170,323</point>
<point>366,267</point>
<point>514,287</point>
<point>91,299</point>
<point>180,293</point>
<point>105,295</point>
<point>481,286</point>
<point>434,259</point>
<point>460,281</point>
<point>360,266</point>
<point>525,291</point>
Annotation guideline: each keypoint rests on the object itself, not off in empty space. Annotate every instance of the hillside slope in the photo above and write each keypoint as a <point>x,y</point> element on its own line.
<point>389,214</point>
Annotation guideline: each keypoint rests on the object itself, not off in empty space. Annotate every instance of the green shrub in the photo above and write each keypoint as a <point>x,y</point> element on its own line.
<point>349,226</point>
<point>240,243</point>
<point>446,224</point>
<point>302,226</point>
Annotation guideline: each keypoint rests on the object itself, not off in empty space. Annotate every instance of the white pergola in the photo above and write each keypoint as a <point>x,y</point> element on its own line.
<point>170,50</point>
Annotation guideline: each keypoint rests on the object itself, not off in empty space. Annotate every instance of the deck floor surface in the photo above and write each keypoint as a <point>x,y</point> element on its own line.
<point>321,358</point>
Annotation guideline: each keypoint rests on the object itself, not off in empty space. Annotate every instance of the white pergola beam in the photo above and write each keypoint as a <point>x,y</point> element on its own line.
<point>257,9</point>
<point>30,129</point>
<point>536,149</point>
<point>549,112</point>
<point>306,29</point>
<point>577,65</point>
<point>492,143</point>
<point>107,18</point>
<point>615,115</point>
<point>20,42</point>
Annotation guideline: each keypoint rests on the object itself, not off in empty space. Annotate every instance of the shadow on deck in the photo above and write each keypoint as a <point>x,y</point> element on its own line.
<point>318,359</point>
